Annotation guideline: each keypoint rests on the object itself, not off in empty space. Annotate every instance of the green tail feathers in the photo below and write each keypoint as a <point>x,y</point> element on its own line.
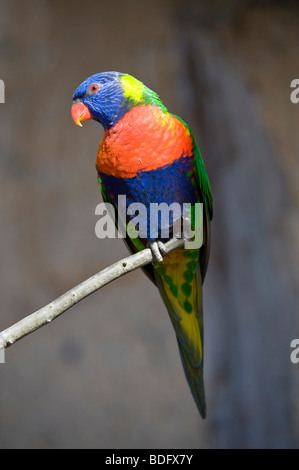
<point>196,383</point>
<point>179,282</point>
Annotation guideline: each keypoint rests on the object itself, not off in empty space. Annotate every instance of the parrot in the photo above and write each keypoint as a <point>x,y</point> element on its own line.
<point>150,155</point>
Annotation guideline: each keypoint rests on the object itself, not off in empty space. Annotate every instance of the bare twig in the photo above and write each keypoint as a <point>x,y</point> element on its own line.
<point>51,311</point>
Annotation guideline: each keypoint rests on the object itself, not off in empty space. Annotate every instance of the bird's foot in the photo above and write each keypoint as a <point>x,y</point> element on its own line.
<point>158,250</point>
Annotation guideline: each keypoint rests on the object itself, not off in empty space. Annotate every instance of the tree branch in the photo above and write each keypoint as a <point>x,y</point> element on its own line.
<point>51,311</point>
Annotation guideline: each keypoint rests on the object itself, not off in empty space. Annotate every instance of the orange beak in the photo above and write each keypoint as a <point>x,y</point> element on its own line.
<point>80,112</point>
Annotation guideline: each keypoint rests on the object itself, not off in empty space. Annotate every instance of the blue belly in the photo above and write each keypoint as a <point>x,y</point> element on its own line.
<point>169,184</point>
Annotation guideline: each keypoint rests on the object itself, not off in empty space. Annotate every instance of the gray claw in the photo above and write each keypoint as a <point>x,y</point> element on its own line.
<point>155,249</point>
<point>162,248</point>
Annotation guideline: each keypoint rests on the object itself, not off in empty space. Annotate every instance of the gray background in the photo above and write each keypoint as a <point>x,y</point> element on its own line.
<point>107,374</point>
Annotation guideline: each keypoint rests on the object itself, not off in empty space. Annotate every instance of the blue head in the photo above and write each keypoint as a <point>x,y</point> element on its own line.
<point>106,97</point>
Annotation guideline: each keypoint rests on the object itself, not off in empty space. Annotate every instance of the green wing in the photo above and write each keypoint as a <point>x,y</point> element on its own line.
<point>201,173</point>
<point>204,187</point>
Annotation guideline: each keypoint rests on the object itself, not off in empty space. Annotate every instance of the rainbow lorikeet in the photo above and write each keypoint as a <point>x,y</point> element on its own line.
<point>151,156</point>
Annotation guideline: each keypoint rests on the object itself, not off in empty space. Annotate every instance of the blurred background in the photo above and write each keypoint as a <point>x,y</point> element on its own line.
<point>107,374</point>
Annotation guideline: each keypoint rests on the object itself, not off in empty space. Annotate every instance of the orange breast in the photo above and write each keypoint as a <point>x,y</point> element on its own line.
<point>144,139</point>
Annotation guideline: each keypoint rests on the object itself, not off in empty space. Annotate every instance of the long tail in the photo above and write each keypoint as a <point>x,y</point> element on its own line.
<point>179,282</point>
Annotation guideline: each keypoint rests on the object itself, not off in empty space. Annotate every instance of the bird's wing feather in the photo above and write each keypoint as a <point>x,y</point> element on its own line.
<point>204,188</point>
<point>201,173</point>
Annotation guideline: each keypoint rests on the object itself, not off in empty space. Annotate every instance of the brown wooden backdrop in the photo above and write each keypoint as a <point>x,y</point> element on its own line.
<point>107,374</point>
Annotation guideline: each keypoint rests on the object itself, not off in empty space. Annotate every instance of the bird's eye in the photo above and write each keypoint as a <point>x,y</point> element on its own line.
<point>94,88</point>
